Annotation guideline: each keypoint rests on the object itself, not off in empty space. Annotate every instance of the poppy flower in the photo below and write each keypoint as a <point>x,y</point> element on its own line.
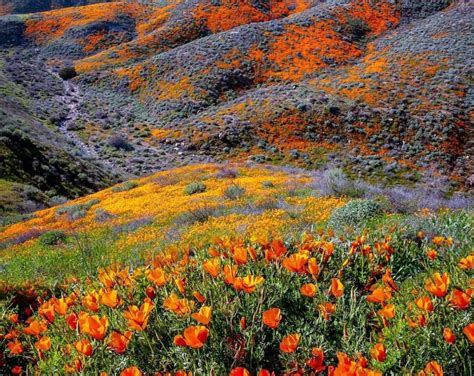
<point>378,352</point>
<point>109,298</point>
<point>296,263</point>
<point>13,318</point>
<point>271,317</point>
<point>230,271</point>
<point>150,292</point>
<point>265,372</point>
<point>15,347</point>
<point>309,290</point>
<point>424,303</point>
<point>437,284</point>
<point>243,323</point>
<point>84,347</point>
<point>337,288</point>
<point>327,309</point>
<point>91,301</point>
<point>93,325</point>
<point>46,310</point>
<point>313,267</point>
<point>433,369</point>
<point>459,299</point>
<point>467,263</point>
<point>156,276</point>
<point>250,283</point>
<point>212,267</point>
<point>388,280</point>
<point>203,316</point>
<point>240,255</point>
<point>131,371</point>
<point>239,371</point>
<point>60,306</point>
<point>107,277</point>
<point>449,336</point>
<point>379,295</point>
<point>35,328</point>
<point>138,317</point>
<point>193,336</point>
<point>469,332</point>
<point>119,342</point>
<point>437,240</point>
<point>44,344</point>
<point>387,312</point>
<point>71,320</point>
<point>317,360</point>
<point>290,343</point>
<point>180,284</point>
<point>17,370</point>
<point>431,254</point>
<point>179,306</point>
<point>199,297</point>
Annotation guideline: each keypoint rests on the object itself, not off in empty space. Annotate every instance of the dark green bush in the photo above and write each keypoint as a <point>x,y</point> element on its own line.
<point>54,237</point>
<point>234,192</point>
<point>355,213</point>
<point>194,188</point>
<point>67,73</point>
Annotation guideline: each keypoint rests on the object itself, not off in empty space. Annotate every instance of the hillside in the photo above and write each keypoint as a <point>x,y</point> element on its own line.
<point>236,187</point>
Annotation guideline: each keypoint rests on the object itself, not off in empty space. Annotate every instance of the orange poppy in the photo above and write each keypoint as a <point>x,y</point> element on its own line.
<point>193,336</point>
<point>179,306</point>
<point>379,295</point>
<point>469,332</point>
<point>425,304</point>
<point>109,298</point>
<point>46,310</point>
<point>290,343</point>
<point>437,284</point>
<point>91,301</point>
<point>230,271</point>
<point>434,369</point>
<point>199,297</point>
<point>317,360</point>
<point>84,347</point>
<point>156,276</point>
<point>296,263</point>
<point>240,255</point>
<point>239,371</point>
<point>44,344</point>
<point>71,320</point>
<point>337,288</point>
<point>61,306</point>
<point>212,267</point>
<point>271,317</point>
<point>431,254</point>
<point>180,284</point>
<point>250,283</point>
<point>150,292</point>
<point>327,309</point>
<point>119,342</point>
<point>17,370</point>
<point>93,325</point>
<point>378,352</point>
<point>387,312</point>
<point>313,267</point>
<point>459,299</point>
<point>467,263</point>
<point>15,347</point>
<point>35,328</point>
<point>437,240</point>
<point>131,371</point>
<point>448,335</point>
<point>203,316</point>
<point>138,317</point>
<point>309,290</point>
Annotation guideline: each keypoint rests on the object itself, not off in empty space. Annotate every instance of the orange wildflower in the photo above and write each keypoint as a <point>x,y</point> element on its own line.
<point>179,306</point>
<point>193,336</point>
<point>239,371</point>
<point>156,276</point>
<point>199,297</point>
<point>250,283</point>
<point>459,299</point>
<point>309,290</point>
<point>271,317</point>
<point>431,254</point>
<point>46,310</point>
<point>91,301</point>
<point>119,342</point>
<point>378,352</point>
<point>337,288</point>
<point>230,271</point>
<point>290,343</point>
<point>44,344</point>
<point>433,369</point>
<point>327,309</point>
<point>138,317</point>
<point>71,320</point>
<point>449,336</point>
<point>425,304</point>
<point>467,263</point>
<point>15,347</point>
<point>212,267</point>
<point>379,295</point>
<point>469,332</point>
<point>313,267</point>
<point>438,240</point>
<point>437,284</point>
<point>203,316</point>
<point>317,360</point>
<point>387,312</point>
<point>84,347</point>
<point>240,255</point>
<point>296,263</point>
<point>109,298</point>
<point>35,328</point>
<point>180,284</point>
<point>131,371</point>
<point>93,325</point>
<point>61,306</point>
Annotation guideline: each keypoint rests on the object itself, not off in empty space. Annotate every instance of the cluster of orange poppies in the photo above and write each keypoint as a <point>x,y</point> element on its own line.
<point>92,324</point>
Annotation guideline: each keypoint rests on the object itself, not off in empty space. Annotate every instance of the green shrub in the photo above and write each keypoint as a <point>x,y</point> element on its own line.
<point>76,211</point>
<point>67,73</point>
<point>125,186</point>
<point>54,237</point>
<point>355,213</point>
<point>194,188</point>
<point>234,192</point>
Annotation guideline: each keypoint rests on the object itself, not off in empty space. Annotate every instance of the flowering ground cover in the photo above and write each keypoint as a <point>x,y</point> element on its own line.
<point>236,270</point>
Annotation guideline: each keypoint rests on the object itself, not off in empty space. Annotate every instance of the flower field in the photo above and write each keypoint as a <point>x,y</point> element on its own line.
<point>211,270</point>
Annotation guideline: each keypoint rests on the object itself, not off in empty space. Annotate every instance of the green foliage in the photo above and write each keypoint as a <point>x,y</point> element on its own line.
<point>125,186</point>
<point>355,213</point>
<point>51,238</point>
<point>76,211</point>
<point>196,187</point>
<point>234,192</point>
